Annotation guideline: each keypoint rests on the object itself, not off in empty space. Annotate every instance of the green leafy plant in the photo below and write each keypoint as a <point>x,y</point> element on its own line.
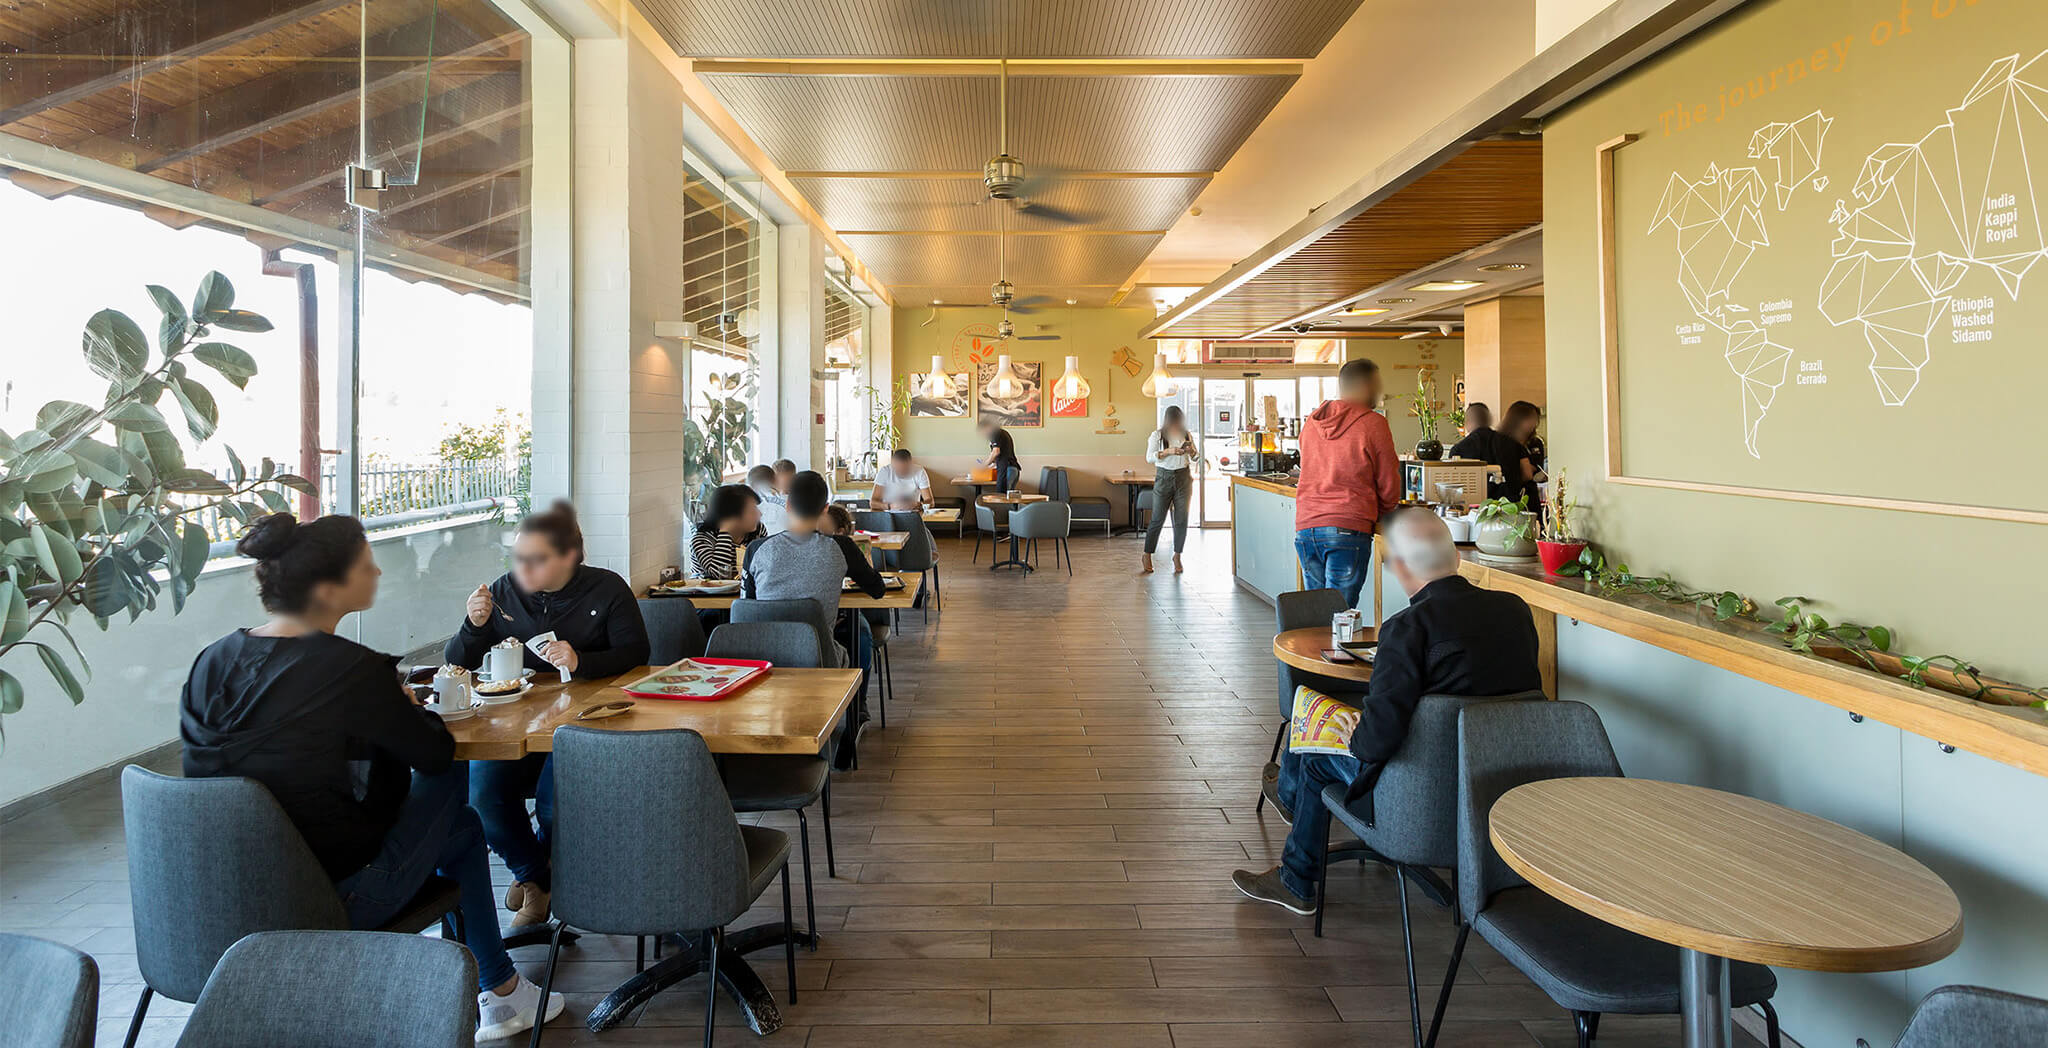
<point>98,509</point>
<point>1515,510</point>
<point>505,435</point>
<point>1424,408</point>
<point>885,431</point>
<point>719,438</point>
<point>1805,630</point>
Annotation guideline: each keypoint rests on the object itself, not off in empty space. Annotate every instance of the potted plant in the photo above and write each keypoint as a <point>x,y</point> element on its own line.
<point>1506,529</point>
<point>1558,545</point>
<point>1429,417</point>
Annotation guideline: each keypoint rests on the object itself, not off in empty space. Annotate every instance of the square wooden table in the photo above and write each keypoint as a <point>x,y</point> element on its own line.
<point>792,711</point>
<point>896,599</point>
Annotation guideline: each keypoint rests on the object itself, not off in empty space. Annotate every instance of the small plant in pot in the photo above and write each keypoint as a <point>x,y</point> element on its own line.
<point>1505,529</point>
<point>1429,417</point>
<point>1558,545</point>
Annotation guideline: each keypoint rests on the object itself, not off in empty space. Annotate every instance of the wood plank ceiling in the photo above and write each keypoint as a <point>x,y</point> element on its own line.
<point>883,113</point>
<point>256,101</point>
<point>1491,190</point>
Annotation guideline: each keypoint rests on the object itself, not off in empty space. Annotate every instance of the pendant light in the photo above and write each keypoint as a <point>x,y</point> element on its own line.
<point>1161,382</point>
<point>1003,386</point>
<point>1071,385</point>
<point>937,384</point>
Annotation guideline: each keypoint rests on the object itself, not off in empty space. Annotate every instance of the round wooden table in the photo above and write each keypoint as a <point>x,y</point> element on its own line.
<point>1019,499</point>
<point>1725,877</point>
<point>1303,650</point>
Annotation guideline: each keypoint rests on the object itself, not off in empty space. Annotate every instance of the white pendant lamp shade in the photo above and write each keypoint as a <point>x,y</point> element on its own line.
<point>1003,386</point>
<point>1071,385</point>
<point>936,384</point>
<point>1160,383</point>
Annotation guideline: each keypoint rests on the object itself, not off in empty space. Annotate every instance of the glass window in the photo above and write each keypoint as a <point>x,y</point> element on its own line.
<point>849,400</point>
<point>721,296</point>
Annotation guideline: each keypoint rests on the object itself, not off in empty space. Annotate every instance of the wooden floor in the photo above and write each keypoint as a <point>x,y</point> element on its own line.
<point>1036,851</point>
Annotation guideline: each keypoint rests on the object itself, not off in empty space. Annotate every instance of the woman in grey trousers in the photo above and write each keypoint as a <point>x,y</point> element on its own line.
<point>1172,450</point>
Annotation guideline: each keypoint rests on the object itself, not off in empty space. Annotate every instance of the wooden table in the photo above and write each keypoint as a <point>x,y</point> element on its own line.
<point>1019,499</point>
<point>1725,877</point>
<point>973,486</point>
<point>885,541</point>
<point>1131,482</point>
<point>895,599</point>
<point>1303,650</point>
<point>792,711</point>
<point>947,515</point>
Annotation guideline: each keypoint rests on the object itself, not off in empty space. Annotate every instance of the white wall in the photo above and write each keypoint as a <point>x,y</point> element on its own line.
<point>1556,18</point>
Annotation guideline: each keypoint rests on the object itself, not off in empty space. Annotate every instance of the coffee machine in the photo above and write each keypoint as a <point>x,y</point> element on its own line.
<point>1452,482</point>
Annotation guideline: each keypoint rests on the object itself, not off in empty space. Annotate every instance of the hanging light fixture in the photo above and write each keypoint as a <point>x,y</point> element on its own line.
<point>1071,385</point>
<point>1003,386</point>
<point>936,384</point>
<point>1161,382</point>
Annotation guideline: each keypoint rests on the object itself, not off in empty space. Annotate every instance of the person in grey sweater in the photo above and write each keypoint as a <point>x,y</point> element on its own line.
<point>802,561</point>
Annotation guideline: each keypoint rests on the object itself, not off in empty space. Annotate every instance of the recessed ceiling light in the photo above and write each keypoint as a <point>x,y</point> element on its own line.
<point>1446,285</point>
<point>1503,267</point>
<point>1418,334</point>
<point>1073,302</point>
<point>1361,311</point>
<point>938,302</point>
<point>1395,301</point>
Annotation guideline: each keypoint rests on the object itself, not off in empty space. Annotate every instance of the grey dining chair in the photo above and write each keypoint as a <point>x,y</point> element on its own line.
<point>758,782</point>
<point>1293,610</point>
<point>1148,504</point>
<point>1584,964</point>
<point>51,995</point>
<point>992,521</point>
<point>1086,509</point>
<point>802,610</point>
<point>213,860</point>
<point>334,989</point>
<point>1409,821</point>
<point>1977,1017</point>
<point>674,632</point>
<point>919,556</point>
<point>674,859</point>
<point>873,520</point>
<point>1044,520</point>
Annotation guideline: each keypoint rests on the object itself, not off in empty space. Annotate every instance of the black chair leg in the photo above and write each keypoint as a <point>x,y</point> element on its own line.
<point>1322,876</point>
<point>1771,1032</point>
<point>1279,740</point>
<point>803,835</point>
<point>788,933</point>
<point>1443,996</point>
<point>711,985</point>
<point>640,953</point>
<point>547,983</point>
<point>135,1024</point>
<point>1070,556</point>
<point>1408,947</point>
<point>825,806</point>
<point>1584,1023</point>
<point>976,559</point>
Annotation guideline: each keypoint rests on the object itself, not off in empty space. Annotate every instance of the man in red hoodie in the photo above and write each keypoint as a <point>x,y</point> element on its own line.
<point>1350,478</point>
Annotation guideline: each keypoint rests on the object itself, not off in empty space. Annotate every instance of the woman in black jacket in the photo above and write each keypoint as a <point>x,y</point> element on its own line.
<point>291,705</point>
<point>598,633</point>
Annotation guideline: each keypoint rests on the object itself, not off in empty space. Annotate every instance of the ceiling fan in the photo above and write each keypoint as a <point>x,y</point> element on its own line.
<point>1006,178</point>
<point>1002,293</point>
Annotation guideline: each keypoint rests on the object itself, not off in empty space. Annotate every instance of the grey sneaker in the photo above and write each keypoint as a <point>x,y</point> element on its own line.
<point>1268,887</point>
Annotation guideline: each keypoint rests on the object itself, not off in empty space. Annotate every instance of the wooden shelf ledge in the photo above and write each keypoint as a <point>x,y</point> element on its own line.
<point>2010,735</point>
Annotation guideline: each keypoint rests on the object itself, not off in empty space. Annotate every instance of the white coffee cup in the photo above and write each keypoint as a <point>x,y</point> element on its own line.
<point>504,661</point>
<point>451,691</point>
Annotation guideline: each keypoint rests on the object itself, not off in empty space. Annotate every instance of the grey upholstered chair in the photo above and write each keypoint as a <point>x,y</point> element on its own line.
<point>213,860</point>
<point>1977,1017</point>
<point>1293,610</point>
<point>992,521</point>
<point>802,610</point>
<point>674,632</point>
<point>1044,520</point>
<point>1586,965</point>
<point>919,556</point>
<point>337,990</point>
<point>873,520</point>
<point>1410,821</point>
<point>674,859</point>
<point>1086,509</point>
<point>780,782</point>
<point>51,995</point>
<point>1148,504</point>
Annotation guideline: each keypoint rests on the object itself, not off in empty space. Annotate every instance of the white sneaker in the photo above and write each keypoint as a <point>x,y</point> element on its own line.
<point>501,1017</point>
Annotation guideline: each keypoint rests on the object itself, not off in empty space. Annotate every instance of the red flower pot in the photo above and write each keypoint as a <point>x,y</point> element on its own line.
<point>1556,555</point>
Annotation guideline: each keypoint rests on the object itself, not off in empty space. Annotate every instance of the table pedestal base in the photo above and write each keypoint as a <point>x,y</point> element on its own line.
<point>1703,1000</point>
<point>738,978</point>
<point>1014,561</point>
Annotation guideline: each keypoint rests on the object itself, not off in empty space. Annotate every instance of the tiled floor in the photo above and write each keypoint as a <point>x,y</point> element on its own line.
<point>1036,851</point>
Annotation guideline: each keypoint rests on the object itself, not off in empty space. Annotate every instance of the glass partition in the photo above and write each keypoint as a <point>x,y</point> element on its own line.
<point>721,277</point>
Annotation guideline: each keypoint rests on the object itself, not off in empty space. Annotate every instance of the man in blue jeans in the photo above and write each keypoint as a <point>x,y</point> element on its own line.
<point>1350,476</point>
<point>1453,639</point>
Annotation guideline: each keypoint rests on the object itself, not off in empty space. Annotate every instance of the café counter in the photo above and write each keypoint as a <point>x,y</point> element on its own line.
<point>1262,536</point>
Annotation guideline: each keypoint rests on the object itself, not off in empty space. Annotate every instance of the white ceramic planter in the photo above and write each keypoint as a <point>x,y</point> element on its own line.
<point>1495,535</point>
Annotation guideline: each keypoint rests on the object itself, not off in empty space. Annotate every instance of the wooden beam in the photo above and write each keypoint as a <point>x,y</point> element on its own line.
<point>990,67</point>
<point>1078,176</point>
<point>493,219</point>
<point>453,130</point>
<point>997,233</point>
<point>212,27</point>
<point>483,178</point>
<point>41,185</point>
<point>171,216</point>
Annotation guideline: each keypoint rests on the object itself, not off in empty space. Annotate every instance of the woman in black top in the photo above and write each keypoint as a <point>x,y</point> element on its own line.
<point>1520,470</point>
<point>1002,454</point>
<point>598,633</point>
<point>291,705</point>
<point>731,520</point>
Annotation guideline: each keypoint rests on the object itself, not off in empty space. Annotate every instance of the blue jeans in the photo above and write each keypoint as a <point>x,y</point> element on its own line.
<point>435,832</point>
<point>1334,558</point>
<point>498,791</point>
<point>1301,861</point>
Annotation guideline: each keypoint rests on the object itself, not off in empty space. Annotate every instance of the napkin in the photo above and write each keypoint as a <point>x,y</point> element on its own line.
<point>539,643</point>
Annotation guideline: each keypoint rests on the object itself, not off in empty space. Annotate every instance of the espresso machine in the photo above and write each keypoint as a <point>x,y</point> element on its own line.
<point>1450,483</point>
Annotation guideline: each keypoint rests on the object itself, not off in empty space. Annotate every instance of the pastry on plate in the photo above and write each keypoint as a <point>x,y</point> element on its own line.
<point>500,687</point>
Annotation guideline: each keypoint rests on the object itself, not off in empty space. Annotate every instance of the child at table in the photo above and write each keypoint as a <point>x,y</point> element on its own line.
<point>836,521</point>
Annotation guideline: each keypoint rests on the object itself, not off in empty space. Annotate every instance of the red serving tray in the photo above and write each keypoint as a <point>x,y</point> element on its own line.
<point>759,670</point>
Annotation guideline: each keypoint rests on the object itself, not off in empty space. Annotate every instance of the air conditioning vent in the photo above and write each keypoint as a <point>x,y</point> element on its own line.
<point>1250,352</point>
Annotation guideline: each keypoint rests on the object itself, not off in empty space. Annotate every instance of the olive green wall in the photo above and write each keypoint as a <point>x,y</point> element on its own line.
<point>1969,587</point>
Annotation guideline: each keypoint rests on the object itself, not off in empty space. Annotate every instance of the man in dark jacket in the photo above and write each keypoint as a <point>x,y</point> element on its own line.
<point>1453,639</point>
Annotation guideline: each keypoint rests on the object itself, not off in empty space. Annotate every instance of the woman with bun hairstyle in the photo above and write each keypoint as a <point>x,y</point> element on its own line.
<point>290,704</point>
<point>598,633</point>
